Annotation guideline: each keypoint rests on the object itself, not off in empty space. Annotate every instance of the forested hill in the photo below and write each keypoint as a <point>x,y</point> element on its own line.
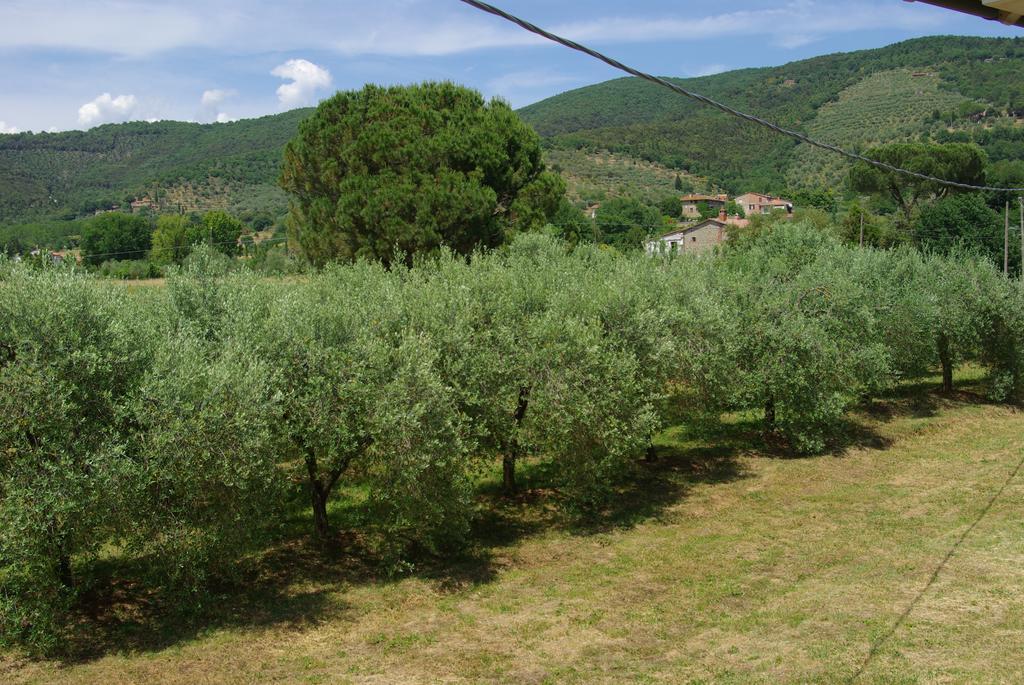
<point>943,88</point>
<point>195,165</point>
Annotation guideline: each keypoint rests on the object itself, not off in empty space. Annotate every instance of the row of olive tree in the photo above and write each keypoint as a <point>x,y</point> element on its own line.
<point>175,425</point>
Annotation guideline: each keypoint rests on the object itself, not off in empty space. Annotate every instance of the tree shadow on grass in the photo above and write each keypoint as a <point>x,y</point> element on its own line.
<point>646,493</point>
<point>290,585</point>
<point>298,583</point>
<point>294,583</point>
<point>922,399</point>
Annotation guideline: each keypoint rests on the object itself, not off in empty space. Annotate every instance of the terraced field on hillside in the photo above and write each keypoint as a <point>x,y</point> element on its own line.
<point>887,107</point>
<point>596,176</point>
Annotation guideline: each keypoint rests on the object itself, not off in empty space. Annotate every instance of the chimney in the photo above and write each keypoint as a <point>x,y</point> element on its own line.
<point>723,216</point>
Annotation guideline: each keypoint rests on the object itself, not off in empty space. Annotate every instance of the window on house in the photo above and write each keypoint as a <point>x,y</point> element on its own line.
<point>694,238</point>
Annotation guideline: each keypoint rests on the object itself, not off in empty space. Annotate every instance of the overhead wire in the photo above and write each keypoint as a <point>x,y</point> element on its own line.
<point>801,137</point>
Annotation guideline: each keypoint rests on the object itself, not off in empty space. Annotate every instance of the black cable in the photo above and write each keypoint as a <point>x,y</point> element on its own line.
<point>491,9</point>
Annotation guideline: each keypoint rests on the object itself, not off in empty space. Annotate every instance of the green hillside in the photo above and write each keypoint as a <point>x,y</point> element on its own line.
<point>855,98</point>
<point>594,176</point>
<point>200,166</point>
<point>884,107</point>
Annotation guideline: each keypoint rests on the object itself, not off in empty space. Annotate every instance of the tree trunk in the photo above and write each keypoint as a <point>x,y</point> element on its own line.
<point>320,522</point>
<point>508,473</point>
<point>64,571</point>
<point>769,412</point>
<point>508,462</point>
<point>318,495</point>
<point>651,455</point>
<point>947,364</point>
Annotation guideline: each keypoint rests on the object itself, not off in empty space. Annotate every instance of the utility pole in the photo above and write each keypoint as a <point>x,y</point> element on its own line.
<point>1006,241</point>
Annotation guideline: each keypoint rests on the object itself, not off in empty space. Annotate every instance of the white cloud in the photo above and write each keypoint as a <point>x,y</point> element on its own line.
<point>517,87</point>
<point>211,102</point>
<point>528,79</point>
<point>106,110</point>
<point>4,128</point>
<point>306,78</point>
<point>213,97</point>
<point>125,27</point>
<point>710,70</point>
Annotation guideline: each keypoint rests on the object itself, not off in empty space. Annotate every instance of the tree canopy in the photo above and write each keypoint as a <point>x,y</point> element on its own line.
<point>408,169</point>
<point>625,223</point>
<point>115,235</point>
<point>959,162</point>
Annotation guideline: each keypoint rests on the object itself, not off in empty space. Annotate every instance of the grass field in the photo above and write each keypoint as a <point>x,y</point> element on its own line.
<point>897,558</point>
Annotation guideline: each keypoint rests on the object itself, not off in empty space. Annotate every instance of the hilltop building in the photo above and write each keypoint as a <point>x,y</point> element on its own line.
<point>691,203</point>
<point>758,203</point>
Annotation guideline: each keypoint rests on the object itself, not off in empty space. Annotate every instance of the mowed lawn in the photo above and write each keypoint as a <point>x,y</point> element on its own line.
<point>898,558</point>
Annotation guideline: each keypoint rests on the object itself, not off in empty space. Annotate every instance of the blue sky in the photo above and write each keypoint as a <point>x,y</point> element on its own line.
<point>71,64</point>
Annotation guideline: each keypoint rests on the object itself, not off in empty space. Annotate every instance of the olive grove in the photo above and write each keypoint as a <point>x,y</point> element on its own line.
<point>179,426</point>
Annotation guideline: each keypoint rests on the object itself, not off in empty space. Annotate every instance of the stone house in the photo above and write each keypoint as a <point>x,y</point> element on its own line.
<point>691,202</point>
<point>758,203</point>
<point>696,238</point>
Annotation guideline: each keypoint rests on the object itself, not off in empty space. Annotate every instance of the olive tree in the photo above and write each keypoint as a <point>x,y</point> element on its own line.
<point>206,482</point>
<point>70,360</point>
<point>363,402</point>
<point>808,345</point>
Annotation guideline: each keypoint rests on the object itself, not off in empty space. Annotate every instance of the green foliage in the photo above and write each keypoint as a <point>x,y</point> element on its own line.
<point>731,208</point>
<point>55,235</point>
<point>963,221</point>
<point>207,485</point>
<point>569,224</point>
<point>953,161</point>
<point>597,175</point>
<point>625,223</point>
<point>273,259</point>
<point>410,169</point>
<point>60,175</point>
<point>218,229</point>
<point>115,235</point>
<point>858,99</point>
<point>879,230</point>
<point>889,106</point>
<point>170,240</point>
<point>1005,174</point>
<point>129,269</point>
<point>69,361</point>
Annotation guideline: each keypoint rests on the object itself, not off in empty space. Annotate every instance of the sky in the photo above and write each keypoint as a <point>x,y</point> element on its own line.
<point>75,64</point>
